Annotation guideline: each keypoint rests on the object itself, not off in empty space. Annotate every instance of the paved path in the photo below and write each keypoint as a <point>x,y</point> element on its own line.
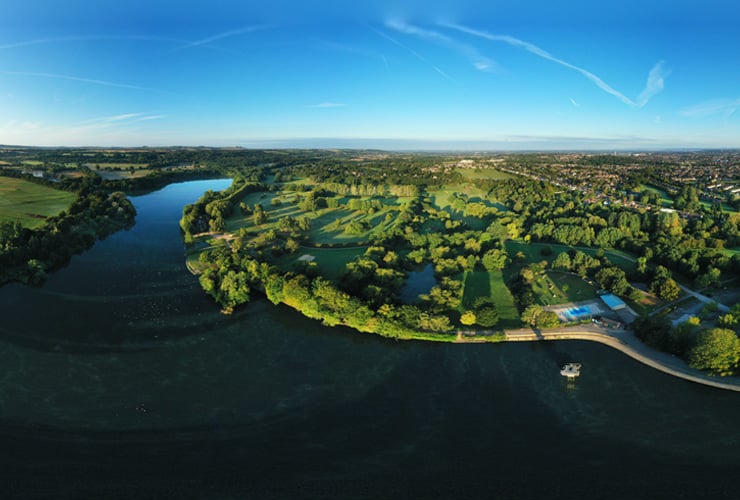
<point>706,300</point>
<point>627,343</point>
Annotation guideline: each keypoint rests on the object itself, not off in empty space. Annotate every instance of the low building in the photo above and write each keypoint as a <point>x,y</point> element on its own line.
<point>613,302</point>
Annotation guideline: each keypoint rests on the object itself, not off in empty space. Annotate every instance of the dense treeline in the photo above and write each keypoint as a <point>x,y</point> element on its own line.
<point>690,246</point>
<point>209,212</point>
<point>28,254</point>
<point>231,274</point>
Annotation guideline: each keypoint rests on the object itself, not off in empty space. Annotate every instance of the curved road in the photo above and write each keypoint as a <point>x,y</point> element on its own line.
<point>631,346</point>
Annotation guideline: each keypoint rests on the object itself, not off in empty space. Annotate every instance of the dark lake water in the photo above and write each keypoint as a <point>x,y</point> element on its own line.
<point>120,379</point>
<point>418,282</point>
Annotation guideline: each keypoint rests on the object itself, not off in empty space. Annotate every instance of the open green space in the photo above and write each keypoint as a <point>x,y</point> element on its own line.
<point>533,253</point>
<point>725,207</point>
<point>555,287</point>
<point>491,284</point>
<point>331,262</point>
<point>441,198</point>
<point>504,300</point>
<point>665,199</point>
<point>30,203</point>
<point>328,225</point>
<point>484,173</point>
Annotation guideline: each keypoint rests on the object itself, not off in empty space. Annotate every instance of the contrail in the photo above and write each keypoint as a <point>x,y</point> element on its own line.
<point>412,51</point>
<point>225,34</point>
<point>78,79</point>
<point>655,78</point>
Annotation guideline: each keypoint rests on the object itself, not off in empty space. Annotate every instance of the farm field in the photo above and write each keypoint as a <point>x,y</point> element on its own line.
<point>30,203</point>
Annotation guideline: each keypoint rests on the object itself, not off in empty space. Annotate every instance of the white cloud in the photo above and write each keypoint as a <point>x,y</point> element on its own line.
<point>574,103</point>
<point>655,84</point>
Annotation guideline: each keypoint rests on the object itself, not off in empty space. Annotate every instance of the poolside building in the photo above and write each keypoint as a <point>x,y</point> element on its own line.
<point>613,302</point>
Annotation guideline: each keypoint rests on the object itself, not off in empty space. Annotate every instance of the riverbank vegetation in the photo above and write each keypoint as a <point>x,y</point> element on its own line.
<point>29,251</point>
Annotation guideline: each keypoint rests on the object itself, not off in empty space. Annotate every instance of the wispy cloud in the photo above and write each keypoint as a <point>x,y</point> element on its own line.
<point>104,83</point>
<point>655,82</point>
<point>89,38</point>
<point>182,43</point>
<point>414,53</point>
<point>714,107</point>
<point>327,105</point>
<point>126,117</point>
<point>222,35</point>
<point>478,61</point>
<point>574,103</point>
<point>103,130</point>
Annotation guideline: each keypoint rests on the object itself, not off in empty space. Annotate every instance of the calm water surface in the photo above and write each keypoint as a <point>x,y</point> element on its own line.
<point>120,379</point>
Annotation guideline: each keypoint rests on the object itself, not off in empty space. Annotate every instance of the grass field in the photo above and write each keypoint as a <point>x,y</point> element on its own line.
<point>491,284</point>
<point>327,225</point>
<point>331,261</point>
<point>30,203</point>
<point>441,197</point>
<point>483,173</point>
<point>665,199</point>
<point>532,251</point>
<point>560,288</point>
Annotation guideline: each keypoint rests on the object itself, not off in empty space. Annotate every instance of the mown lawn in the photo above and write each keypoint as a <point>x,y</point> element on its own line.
<point>441,197</point>
<point>30,203</point>
<point>327,225</point>
<point>491,284</point>
<point>331,261</point>
<point>557,287</point>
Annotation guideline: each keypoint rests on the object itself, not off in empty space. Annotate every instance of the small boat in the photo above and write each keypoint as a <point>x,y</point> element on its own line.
<point>571,370</point>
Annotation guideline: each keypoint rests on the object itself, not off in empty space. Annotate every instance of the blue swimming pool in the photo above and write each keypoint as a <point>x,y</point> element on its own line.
<point>576,313</point>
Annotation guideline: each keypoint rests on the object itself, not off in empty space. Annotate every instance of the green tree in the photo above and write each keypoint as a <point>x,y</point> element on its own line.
<point>716,350</point>
<point>547,319</point>
<point>530,314</point>
<point>665,288</point>
<point>495,259</point>
<point>562,261</point>
<point>468,318</point>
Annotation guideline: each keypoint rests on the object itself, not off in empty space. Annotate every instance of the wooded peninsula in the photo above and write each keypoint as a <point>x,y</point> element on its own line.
<point>424,246</point>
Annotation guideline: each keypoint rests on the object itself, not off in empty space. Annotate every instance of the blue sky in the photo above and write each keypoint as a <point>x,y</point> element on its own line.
<point>411,75</point>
